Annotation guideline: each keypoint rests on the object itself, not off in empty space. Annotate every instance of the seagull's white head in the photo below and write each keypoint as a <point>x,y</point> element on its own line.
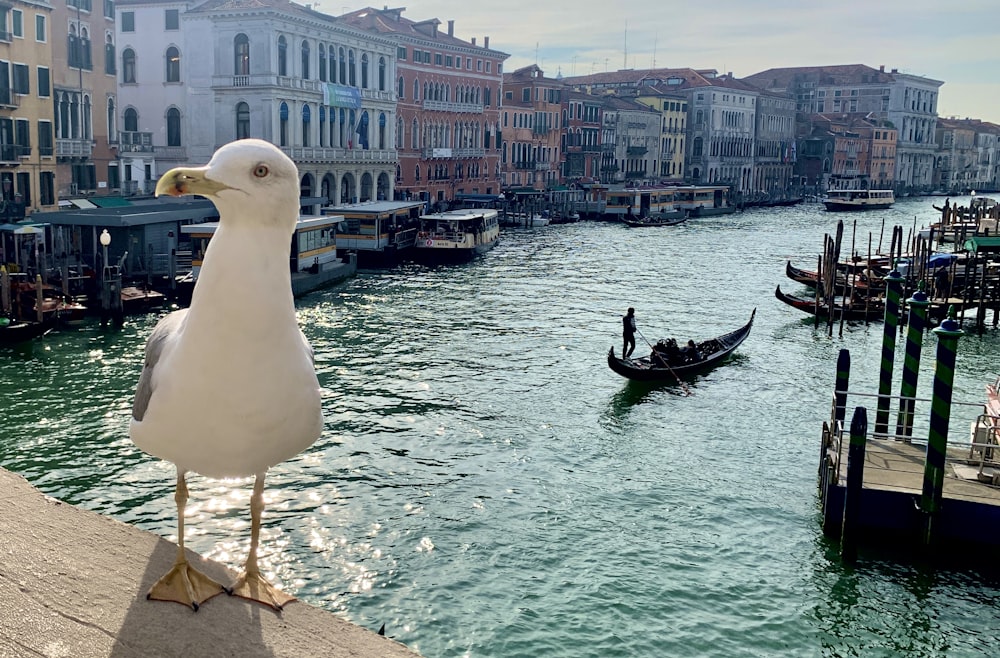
<point>250,179</point>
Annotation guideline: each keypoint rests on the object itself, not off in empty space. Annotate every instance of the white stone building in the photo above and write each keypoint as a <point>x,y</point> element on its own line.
<point>194,76</point>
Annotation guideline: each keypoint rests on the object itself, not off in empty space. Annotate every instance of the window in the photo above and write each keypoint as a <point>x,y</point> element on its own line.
<point>282,56</point>
<point>128,66</point>
<point>40,28</point>
<point>306,117</point>
<point>172,19</point>
<point>21,85</point>
<point>128,21</point>
<point>241,55</point>
<point>322,62</point>
<point>283,125</point>
<point>43,82</point>
<point>47,185</point>
<point>381,73</point>
<point>526,95</point>
<point>173,127</point>
<point>173,65</point>
<point>45,138</point>
<point>351,69</point>
<point>401,54</point>
<point>305,60</point>
<point>399,88</point>
<point>112,130</point>
<point>109,9</point>
<point>131,120</point>
<point>109,54</point>
<point>438,59</point>
<point>479,65</point>
<point>364,71</point>
<point>17,23</point>
<point>22,136</point>
<point>24,187</point>
<point>343,67</point>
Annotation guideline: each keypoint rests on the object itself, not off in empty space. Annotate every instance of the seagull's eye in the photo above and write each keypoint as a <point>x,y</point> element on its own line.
<point>261,171</point>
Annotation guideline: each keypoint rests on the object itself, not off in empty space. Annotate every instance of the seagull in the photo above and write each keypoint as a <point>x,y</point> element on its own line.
<point>228,388</point>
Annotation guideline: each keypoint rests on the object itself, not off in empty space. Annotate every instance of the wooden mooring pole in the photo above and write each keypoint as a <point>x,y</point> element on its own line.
<point>911,362</point>
<point>853,489</point>
<point>893,291</point>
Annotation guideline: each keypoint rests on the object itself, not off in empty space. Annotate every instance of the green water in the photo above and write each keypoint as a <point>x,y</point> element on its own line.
<point>486,486</point>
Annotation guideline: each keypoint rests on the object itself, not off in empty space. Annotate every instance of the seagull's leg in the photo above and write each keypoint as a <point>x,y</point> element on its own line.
<point>183,583</point>
<point>251,585</point>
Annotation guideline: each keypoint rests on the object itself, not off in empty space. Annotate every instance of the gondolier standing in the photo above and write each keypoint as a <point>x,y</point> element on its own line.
<point>628,333</point>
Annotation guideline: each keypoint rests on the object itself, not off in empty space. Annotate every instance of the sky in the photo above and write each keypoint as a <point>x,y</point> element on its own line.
<point>954,42</point>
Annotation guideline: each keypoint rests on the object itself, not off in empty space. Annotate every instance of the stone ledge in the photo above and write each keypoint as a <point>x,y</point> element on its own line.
<point>73,584</point>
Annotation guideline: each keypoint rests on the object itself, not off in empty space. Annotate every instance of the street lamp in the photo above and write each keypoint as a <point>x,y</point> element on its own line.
<point>105,241</point>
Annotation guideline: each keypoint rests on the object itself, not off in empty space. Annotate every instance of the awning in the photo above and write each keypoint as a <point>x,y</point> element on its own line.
<point>982,244</point>
<point>82,204</point>
<point>23,229</point>
<point>110,201</point>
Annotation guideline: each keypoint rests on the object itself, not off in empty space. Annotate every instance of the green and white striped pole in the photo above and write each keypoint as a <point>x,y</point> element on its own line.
<point>916,320</point>
<point>893,291</point>
<point>937,441</point>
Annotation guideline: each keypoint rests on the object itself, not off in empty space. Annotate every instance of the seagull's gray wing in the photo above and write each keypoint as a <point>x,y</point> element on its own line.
<point>165,329</point>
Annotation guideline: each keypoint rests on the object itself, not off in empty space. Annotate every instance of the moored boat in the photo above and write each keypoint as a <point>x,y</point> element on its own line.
<point>844,282</point>
<point>667,363</point>
<point>839,200</point>
<point>13,332</point>
<point>456,236</point>
<point>659,220</point>
<point>851,309</point>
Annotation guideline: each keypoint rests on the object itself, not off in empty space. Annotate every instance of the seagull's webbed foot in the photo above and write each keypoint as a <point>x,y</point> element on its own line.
<point>185,585</point>
<point>253,587</point>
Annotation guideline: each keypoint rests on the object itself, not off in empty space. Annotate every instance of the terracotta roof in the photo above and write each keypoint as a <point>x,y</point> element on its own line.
<point>392,21</point>
<point>783,78</point>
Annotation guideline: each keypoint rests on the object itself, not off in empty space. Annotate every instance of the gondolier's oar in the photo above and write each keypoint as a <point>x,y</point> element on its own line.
<point>664,362</point>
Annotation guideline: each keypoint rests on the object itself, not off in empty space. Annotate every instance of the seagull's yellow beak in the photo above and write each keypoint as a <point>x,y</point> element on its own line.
<point>188,180</point>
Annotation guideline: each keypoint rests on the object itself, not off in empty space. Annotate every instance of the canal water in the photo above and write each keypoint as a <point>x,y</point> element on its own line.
<point>486,486</point>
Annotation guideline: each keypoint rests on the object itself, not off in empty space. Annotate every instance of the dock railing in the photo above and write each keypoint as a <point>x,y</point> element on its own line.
<point>981,449</point>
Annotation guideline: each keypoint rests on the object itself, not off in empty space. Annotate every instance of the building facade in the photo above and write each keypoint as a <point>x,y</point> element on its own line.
<point>673,124</point>
<point>27,155</point>
<point>582,116</point>
<point>634,130</point>
<point>531,129</point>
<point>448,107</point>
<point>84,92</point>
<point>774,144</point>
<point>316,87</point>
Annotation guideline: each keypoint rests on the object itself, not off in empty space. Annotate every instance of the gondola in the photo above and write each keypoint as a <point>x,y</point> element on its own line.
<point>810,278</point>
<point>13,332</point>
<point>860,309</point>
<point>655,221</point>
<point>662,366</point>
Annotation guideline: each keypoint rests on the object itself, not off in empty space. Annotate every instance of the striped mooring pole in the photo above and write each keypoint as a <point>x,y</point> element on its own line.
<point>893,291</point>
<point>916,320</point>
<point>937,440</point>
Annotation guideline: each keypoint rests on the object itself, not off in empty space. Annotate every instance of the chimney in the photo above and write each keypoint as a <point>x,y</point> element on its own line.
<point>451,28</point>
<point>473,41</point>
<point>486,43</point>
<point>881,68</point>
<point>895,70</point>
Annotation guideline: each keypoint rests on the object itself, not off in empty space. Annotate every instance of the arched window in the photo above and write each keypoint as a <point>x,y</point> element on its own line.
<point>282,56</point>
<point>306,118</point>
<point>242,121</point>
<point>131,120</point>
<point>305,60</point>
<point>109,54</point>
<point>173,127</point>
<point>322,62</point>
<point>332,54</point>
<point>381,73</point>
<point>413,134</point>
<point>416,91</point>
<point>112,129</point>
<point>241,54</point>
<point>399,90</point>
<point>343,68</point>
<point>173,64</point>
<point>399,132</point>
<point>381,130</point>
<point>128,66</point>
<point>352,73</point>
<point>364,71</point>
<point>283,124</point>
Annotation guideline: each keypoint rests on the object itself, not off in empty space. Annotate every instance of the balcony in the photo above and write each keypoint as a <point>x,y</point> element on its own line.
<point>524,164</point>
<point>634,151</point>
<point>74,148</point>
<point>135,142</point>
<point>8,99</point>
<point>325,155</point>
<point>542,166</point>
<point>176,153</point>
<point>436,153</point>
<point>448,106</point>
<point>607,148</point>
<point>11,154</point>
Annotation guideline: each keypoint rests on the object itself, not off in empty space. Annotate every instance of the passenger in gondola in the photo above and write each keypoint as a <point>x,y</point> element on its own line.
<point>690,352</point>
